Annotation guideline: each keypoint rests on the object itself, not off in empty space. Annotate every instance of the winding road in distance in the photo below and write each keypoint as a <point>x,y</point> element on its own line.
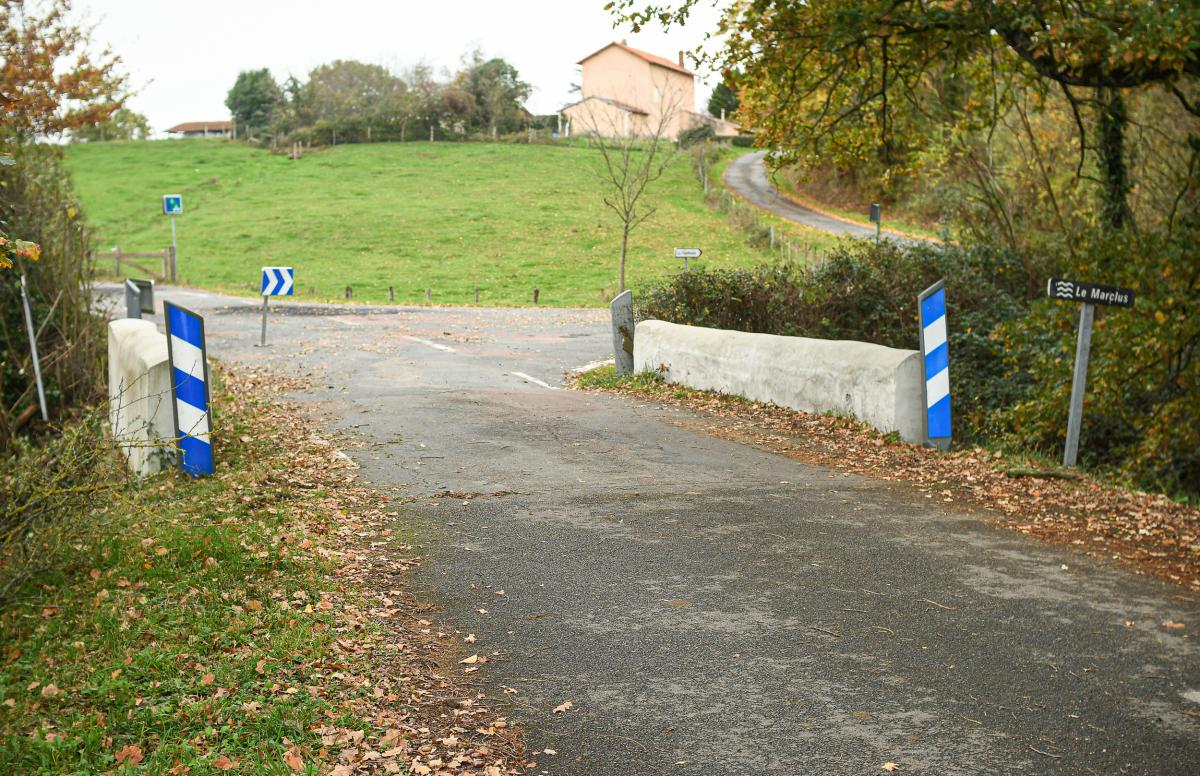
<point>747,177</point>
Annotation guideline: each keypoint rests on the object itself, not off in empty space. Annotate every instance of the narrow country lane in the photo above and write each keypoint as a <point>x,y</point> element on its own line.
<point>746,176</point>
<point>712,608</point>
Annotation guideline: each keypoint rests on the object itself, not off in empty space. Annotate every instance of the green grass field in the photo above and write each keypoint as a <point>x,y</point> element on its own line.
<point>444,216</point>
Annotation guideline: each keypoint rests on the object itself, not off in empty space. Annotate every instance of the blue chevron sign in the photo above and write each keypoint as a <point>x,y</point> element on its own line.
<point>278,281</point>
<point>189,388</point>
<point>935,354</point>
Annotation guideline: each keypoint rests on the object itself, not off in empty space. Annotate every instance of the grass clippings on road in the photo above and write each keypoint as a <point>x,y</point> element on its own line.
<point>1150,533</point>
<point>254,622</point>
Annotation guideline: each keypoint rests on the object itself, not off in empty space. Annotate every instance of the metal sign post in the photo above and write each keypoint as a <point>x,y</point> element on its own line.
<point>37,364</point>
<point>876,215</point>
<point>687,253</point>
<point>935,364</point>
<point>173,206</point>
<point>276,281</point>
<point>1090,294</point>
<point>189,389</point>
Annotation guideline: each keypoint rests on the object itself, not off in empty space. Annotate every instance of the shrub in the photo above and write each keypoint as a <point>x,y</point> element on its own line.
<point>37,204</point>
<point>698,134</point>
<point>1142,405</point>
<point>869,293</point>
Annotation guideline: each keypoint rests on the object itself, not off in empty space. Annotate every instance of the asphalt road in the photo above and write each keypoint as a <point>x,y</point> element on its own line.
<point>747,177</point>
<point>712,608</point>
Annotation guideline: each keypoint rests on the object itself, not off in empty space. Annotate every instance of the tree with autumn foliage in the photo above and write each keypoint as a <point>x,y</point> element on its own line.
<point>52,81</point>
<point>1067,131</point>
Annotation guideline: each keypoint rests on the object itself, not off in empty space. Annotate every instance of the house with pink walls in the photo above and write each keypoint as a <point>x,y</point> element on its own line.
<point>628,92</point>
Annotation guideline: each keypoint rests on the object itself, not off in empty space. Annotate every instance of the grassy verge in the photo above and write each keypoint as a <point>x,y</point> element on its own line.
<point>225,625</point>
<point>1149,533</point>
<point>445,216</point>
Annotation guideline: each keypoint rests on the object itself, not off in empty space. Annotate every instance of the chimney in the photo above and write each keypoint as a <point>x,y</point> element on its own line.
<point>624,41</point>
<point>681,59</point>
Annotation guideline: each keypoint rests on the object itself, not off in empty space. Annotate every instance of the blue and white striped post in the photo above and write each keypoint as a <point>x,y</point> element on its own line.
<point>935,364</point>
<point>189,388</point>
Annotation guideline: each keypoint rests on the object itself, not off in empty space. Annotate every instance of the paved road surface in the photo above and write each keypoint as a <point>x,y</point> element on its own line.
<point>711,608</point>
<point>747,176</point>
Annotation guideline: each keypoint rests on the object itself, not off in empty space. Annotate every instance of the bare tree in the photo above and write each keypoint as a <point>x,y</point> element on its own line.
<point>635,154</point>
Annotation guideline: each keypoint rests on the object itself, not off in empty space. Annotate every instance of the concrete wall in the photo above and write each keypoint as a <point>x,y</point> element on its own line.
<point>139,392</point>
<point>878,385</point>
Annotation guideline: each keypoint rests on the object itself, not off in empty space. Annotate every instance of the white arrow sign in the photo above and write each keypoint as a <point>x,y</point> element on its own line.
<point>277,281</point>
<point>688,253</point>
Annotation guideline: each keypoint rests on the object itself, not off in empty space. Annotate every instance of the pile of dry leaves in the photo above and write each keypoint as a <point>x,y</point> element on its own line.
<point>392,665</point>
<point>1151,533</point>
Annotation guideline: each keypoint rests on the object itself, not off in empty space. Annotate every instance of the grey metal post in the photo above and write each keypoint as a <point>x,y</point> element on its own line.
<point>623,327</point>
<point>133,300</point>
<point>263,343</point>
<point>1079,383</point>
<point>174,245</point>
<point>476,294</point>
<point>37,364</point>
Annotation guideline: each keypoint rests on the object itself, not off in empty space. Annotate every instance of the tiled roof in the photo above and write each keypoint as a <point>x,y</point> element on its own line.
<point>653,59</point>
<point>201,126</point>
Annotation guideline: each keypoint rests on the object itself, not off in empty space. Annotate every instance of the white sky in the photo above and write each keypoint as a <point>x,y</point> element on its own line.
<point>183,55</point>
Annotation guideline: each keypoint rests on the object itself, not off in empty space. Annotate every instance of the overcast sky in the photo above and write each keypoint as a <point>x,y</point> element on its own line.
<point>183,56</point>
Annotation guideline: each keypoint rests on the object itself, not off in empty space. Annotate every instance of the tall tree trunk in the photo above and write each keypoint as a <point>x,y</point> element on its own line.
<point>624,248</point>
<point>1113,168</point>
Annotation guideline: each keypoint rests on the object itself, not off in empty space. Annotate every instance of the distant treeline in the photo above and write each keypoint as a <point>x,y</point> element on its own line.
<point>346,101</point>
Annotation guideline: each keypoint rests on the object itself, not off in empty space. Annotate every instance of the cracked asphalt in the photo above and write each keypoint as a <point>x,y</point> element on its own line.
<point>708,607</point>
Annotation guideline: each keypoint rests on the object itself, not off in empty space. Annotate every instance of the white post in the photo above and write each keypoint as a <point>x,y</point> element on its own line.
<point>174,244</point>
<point>37,365</point>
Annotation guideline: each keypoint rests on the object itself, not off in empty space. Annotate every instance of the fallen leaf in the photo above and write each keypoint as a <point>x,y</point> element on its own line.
<point>51,690</point>
<point>1172,624</point>
<point>562,707</point>
<point>132,754</point>
<point>890,766</point>
<point>207,679</point>
<point>223,763</point>
<point>470,661</point>
<point>293,759</point>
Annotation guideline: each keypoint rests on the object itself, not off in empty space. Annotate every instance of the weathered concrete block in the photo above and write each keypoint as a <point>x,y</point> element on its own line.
<point>876,384</point>
<point>139,393</point>
<point>623,324</point>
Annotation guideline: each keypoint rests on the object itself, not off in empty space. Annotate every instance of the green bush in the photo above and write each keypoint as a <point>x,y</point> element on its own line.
<point>869,293</point>
<point>1142,406</point>
<point>743,141</point>
<point>37,204</point>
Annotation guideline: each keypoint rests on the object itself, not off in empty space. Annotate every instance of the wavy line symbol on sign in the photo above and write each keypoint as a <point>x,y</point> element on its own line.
<point>1064,288</point>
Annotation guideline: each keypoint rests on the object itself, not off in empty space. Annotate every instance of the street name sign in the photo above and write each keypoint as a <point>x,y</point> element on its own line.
<point>1091,293</point>
<point>688,253</point>
<point>172,204</point>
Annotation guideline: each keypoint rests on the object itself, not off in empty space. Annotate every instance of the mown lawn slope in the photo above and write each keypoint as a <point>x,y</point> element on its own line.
<point>445,216</point>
